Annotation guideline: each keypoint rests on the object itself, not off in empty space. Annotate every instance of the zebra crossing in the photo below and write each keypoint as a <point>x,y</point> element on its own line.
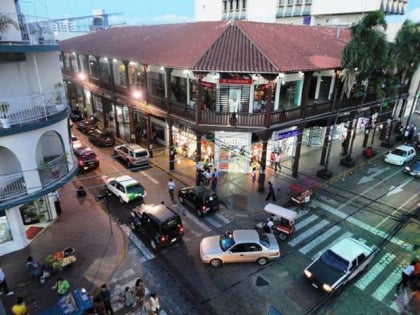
<point>385,266</point>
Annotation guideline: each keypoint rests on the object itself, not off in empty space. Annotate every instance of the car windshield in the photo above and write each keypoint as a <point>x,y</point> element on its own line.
<point>226,241</point>
<point>140,154</point>
<point>399,152</point>
<point>334,261</point>
<point>135,189</point>
<point>170,225</point>
<point>89,156</point>
<point>264,239</point>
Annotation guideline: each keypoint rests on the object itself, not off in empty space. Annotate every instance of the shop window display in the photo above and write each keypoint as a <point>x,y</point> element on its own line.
<point>35,212</point>
<point>5,233</point>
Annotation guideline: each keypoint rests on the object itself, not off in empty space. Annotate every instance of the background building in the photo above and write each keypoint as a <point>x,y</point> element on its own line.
<point>36,156</point>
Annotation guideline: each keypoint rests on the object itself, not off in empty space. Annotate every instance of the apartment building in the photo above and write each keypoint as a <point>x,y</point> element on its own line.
<point>36,156</point>
<point>299,12</point>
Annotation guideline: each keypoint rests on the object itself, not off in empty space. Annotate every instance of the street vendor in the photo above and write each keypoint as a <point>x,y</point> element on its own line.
<point>62,286</point>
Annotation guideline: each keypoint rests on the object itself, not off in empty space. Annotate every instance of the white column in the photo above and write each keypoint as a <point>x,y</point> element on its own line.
<point>318,85</point>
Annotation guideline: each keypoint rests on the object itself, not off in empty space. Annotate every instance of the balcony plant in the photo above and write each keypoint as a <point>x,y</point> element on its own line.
<point>4,108</point>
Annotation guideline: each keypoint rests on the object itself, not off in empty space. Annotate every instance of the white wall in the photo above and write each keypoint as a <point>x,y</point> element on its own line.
<point>344,6</point>
<point>262,10</point>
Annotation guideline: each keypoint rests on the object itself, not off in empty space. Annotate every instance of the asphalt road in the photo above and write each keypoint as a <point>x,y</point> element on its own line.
<point>372,204</point>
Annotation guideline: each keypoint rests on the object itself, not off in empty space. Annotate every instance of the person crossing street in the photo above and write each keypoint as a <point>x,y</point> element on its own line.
<point>171,188</point>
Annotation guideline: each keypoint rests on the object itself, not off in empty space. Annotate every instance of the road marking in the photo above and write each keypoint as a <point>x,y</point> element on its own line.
<point>301,213</point>
<point>365,226</point>
<point>343,236</point>
<point>387,285</point>
<point>364,281</point>
<point>196,221</point>
<point>395,190</point>
<point>373,172</point>
<point>149,177</point>
<point>222,218</point>
<point>318,240</point>
<point>212,222</point>
<point>305,222</point>
<point>147,254</point>
<point>399,208</point>
<point>306,234</point>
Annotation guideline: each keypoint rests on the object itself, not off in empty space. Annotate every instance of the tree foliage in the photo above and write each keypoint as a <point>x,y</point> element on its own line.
<point>406,49</point>
<point>366,57</point>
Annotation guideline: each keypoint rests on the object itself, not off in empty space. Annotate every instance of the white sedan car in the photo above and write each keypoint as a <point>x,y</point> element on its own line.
<point>239,246</point>
<point>400,155</point>
<point>125,188</point>
<point>339,264</point>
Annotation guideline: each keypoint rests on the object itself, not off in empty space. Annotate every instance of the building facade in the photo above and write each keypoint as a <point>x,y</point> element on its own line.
<point>36,156</point>
<point>228,92</point>
<point>299,12</point>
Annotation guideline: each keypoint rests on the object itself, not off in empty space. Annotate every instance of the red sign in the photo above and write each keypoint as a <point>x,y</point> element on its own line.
<point>208,84</point>
<point>235,81</point>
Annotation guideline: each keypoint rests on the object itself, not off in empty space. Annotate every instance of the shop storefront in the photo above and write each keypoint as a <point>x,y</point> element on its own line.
<point>185,141</point>
<point>37,211</point>
<point>231,151</point>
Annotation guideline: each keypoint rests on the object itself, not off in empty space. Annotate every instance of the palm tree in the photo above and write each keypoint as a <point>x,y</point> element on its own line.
<point>405,50</point>
<point>367,60</point>
<point>5,21</point>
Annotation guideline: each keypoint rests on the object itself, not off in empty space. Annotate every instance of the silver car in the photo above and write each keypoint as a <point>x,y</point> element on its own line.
<point>239,246</point>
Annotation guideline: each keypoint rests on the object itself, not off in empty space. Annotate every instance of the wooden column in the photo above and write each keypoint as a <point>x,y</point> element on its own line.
<point>263,164</point>
<point>295,165</point>
<point>172,149</point>
<point>198,158</point>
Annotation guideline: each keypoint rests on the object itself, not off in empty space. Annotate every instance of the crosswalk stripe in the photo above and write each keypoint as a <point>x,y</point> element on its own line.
<point>364,226</point>
<point>212,222</point>
<point>387,285</point>
<point>147,254</point>
<point>343,236</point>
<point>318,240</point>
<point>364,281</point>
<point>149,177</point>
<point>222,218</point>
<point>306,234</point>
<point>305,222</point>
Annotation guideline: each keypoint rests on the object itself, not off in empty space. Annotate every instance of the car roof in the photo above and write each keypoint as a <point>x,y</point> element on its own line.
<point>201,190</point>
<point>404,147</point>
<point>160,212</point>
<point>126,180</point>
<point>244,236</point>
<point>82,149</point>
<point>349,249</point>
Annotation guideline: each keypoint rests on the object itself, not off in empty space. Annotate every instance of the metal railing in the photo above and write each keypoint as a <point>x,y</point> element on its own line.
<point>52,169</point>
<point>12,186</point>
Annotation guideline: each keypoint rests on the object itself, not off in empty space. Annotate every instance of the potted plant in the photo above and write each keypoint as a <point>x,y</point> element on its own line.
<point>4,107</point>
<point>5,22</point>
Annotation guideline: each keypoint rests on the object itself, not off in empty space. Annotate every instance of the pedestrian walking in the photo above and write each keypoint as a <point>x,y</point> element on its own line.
<point>154,304</point>
<point>3,284</point>
<point>270,192</point>
<point>207,175</point>
<point>214,183</point>
<point>139,291</point>
<point>99,306</point>
<point>216,173</point>
<point>254,174</point>
<point>171,188</point>
<point>20,307</point>
<point>106,298</point>
<point>128,298</point>
<point>277,160</point>
<point>272,159</point>
<point>405,275</point>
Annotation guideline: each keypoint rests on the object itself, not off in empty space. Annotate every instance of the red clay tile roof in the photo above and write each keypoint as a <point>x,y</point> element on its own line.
<point>239,46</point>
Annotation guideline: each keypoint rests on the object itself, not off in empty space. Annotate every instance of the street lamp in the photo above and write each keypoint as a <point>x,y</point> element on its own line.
<point>104,195</point>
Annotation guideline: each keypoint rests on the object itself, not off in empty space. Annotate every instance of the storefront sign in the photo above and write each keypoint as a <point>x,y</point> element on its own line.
<point>235,81</point>
<point>287,134</point>
<point>208,84</point>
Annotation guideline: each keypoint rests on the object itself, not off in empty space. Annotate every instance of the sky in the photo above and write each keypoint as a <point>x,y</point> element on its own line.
<point>138,12</point>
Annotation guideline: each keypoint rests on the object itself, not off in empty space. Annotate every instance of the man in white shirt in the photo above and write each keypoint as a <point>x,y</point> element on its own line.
<point>171,188</point>
<point>3,284</point>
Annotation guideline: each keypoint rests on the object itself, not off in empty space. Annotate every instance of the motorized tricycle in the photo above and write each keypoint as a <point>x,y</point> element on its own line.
<point>281,221</point>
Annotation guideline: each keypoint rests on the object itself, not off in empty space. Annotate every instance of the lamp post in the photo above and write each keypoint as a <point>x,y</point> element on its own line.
<point>105,194</point>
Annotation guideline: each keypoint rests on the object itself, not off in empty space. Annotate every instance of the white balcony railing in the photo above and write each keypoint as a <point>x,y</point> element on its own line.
<point>18,111</point>
<point>12,186</point>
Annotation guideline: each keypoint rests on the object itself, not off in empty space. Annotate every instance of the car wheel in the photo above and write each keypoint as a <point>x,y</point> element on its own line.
<point>121,200</point>
<point>128,164</point>
<point>283,236</point>
<point>181,199</point>
<point>216,262</point>
<point>199,213</point>
<point>262,261</point>
<point>153,244</point>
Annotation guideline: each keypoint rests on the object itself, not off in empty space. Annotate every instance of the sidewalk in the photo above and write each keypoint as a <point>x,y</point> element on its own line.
<point>82,225</point>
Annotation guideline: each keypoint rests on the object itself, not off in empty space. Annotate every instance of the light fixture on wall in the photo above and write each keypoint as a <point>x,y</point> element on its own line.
<point>82,76</point>
<point>136,94</point>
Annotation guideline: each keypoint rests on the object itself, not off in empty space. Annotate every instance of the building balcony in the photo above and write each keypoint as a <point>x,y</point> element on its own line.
<point>29,111</point>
